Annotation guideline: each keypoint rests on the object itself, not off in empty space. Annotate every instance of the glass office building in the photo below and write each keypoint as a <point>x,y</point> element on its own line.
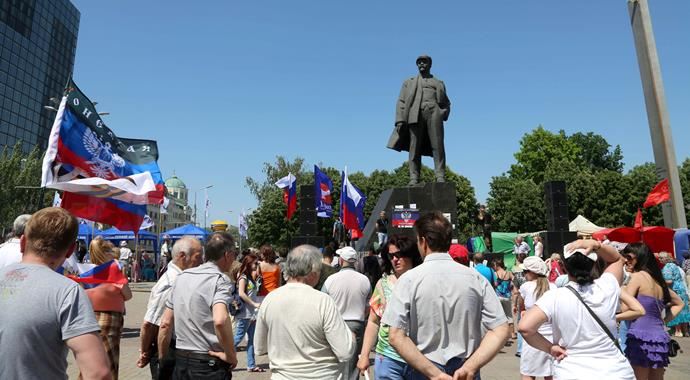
<point>38,41</point>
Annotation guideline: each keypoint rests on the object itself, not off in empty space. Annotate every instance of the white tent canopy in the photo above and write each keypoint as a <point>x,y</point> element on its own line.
<point>583,226</point>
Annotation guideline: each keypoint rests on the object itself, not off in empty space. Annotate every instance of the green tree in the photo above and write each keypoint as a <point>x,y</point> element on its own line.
<point>517,205</point>
<point>537,149</point>
<point>20,178</point>
<point>640,181</point>
<point>684,173</point>
<point>595,152</point>
<point>591,168</point>
<point>267,223</point>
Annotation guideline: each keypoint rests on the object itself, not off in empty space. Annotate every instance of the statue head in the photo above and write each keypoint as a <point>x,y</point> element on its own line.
<point>424,64</point>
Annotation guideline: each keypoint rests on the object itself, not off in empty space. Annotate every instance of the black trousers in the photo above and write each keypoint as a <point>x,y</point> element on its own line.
<point>200,367</point>
<point>163,369</point>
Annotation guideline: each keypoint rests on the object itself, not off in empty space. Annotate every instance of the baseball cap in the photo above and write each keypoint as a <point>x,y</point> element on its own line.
<point>535,265</point>
<point>567,253</point>
<point>347,253</point>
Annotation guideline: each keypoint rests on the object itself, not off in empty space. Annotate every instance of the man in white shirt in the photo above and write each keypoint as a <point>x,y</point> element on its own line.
<point>10,253</point>
<point>186,254</point>
<point>350,291</point>
<point>520,246</point>
<point>311,341</point>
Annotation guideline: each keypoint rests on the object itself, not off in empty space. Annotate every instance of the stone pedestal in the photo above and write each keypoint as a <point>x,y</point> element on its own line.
<point>397,203</point>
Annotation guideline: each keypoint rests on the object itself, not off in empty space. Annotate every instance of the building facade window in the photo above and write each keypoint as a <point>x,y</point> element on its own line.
<point>38,41</point>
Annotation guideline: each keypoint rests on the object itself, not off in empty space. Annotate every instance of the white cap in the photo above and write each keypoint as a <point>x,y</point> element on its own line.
<point>347,253</point>
<point>535,265</point>
<point>567,253</point>
<point>123,243</point>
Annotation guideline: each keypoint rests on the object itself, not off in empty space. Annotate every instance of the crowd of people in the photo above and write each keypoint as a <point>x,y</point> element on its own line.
<point>424,312</point>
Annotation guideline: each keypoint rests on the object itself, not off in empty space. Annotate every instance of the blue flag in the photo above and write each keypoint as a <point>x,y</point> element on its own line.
<point>323,187</point>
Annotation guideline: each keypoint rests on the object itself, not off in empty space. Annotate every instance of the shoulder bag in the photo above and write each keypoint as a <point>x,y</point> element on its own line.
<point>596,318</point>
<point>236,304</point>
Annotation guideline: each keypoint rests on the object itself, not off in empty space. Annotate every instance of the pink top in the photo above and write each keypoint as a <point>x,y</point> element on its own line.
<point>107,297</point>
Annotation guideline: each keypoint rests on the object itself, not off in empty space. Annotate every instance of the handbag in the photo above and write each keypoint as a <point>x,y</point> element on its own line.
<point>596,318</point>
<point>236,304</point>
<point>674,348</point>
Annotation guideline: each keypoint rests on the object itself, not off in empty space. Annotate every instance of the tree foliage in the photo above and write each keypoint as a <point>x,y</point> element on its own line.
<point>596,186</point>
<point>267,223</point>
<point>20,177</point>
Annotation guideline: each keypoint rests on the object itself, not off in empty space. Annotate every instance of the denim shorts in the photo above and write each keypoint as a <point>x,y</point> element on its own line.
<point>386,368</point>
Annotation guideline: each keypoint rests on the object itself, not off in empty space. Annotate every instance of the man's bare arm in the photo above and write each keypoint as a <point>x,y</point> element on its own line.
<point>165,332</point>
<point>90,356</point>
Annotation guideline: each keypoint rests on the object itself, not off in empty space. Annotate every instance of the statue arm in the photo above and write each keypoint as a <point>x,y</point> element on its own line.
<point>400,105</point>
<point>444,102</point>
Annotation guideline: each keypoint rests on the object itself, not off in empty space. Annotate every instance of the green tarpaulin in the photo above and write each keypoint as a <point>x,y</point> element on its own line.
<point>502,242</point>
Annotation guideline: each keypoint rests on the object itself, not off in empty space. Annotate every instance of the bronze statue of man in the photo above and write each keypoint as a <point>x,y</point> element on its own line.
<point>422,108</point>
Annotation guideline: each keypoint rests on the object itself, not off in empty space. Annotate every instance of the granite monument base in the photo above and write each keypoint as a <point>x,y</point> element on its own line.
<point>403,205</point>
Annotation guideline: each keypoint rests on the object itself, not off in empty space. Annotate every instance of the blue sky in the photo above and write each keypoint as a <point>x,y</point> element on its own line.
<point>225,86</point>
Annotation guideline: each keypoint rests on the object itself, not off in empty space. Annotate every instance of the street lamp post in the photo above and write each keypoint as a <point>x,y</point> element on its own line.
<point>196,221</point>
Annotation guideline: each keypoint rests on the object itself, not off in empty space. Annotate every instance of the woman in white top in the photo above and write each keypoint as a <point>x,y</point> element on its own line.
<point>534,362</point>
<point>583,350</point>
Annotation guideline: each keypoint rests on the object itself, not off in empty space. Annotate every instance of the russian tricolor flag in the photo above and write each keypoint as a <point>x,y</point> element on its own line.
<point>352,202</point>
<point>106,273</point>
<point>289,186</point>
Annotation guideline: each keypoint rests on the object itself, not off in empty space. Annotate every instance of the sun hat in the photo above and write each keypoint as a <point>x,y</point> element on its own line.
<point>348,254</point>
<point>535,265</point>
<point>569,252</point>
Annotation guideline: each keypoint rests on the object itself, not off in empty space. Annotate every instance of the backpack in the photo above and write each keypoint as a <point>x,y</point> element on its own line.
<point>236,304</point>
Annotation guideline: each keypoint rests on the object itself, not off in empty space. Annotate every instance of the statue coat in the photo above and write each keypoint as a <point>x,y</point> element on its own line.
<point>400,137</point>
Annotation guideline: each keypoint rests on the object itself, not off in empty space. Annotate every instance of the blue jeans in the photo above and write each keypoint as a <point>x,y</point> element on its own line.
<point>623,333</point>
<point>449,368</point>
<point>246,326</point>
<point>386,368</point>
<point>519,339</point>
<point>382,238</point>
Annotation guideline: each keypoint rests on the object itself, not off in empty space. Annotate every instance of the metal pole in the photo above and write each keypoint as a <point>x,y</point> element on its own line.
<point>657,114</point>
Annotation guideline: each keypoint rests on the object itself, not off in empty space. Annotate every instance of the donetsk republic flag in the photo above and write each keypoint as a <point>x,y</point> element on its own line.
<point>104,178</point>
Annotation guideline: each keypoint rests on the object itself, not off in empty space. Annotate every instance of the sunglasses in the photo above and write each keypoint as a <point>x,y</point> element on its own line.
<point>396,255</point>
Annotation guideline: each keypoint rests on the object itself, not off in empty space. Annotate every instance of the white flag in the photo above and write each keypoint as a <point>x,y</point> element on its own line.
<point>243,225</point>
<point>208,203</point>
<point>57,200</point>
<point>147,223</point>
<point>164,205</point>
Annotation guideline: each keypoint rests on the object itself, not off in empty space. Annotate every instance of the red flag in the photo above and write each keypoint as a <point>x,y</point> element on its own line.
<point>638,219</point>
<point>659,194</point>
<point>289,186</point>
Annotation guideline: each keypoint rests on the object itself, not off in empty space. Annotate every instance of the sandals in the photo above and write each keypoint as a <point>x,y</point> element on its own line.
<point>256,369</point>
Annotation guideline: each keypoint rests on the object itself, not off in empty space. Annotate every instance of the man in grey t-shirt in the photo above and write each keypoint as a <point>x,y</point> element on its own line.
<point>198,309</point>
<point>42,313</point>
<point>439,308</point>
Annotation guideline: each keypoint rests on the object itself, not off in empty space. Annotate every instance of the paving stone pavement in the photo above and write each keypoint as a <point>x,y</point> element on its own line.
<point>504,366</point>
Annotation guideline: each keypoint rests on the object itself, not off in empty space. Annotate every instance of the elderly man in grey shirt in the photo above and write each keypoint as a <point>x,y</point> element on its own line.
<point>439,309</point>
<point>198,310</point>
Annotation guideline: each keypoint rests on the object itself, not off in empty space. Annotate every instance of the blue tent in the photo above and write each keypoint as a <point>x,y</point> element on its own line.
<point>682,240</point>
<point>187,230</point>
<point>87,232</point>
<point>115,234</point>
